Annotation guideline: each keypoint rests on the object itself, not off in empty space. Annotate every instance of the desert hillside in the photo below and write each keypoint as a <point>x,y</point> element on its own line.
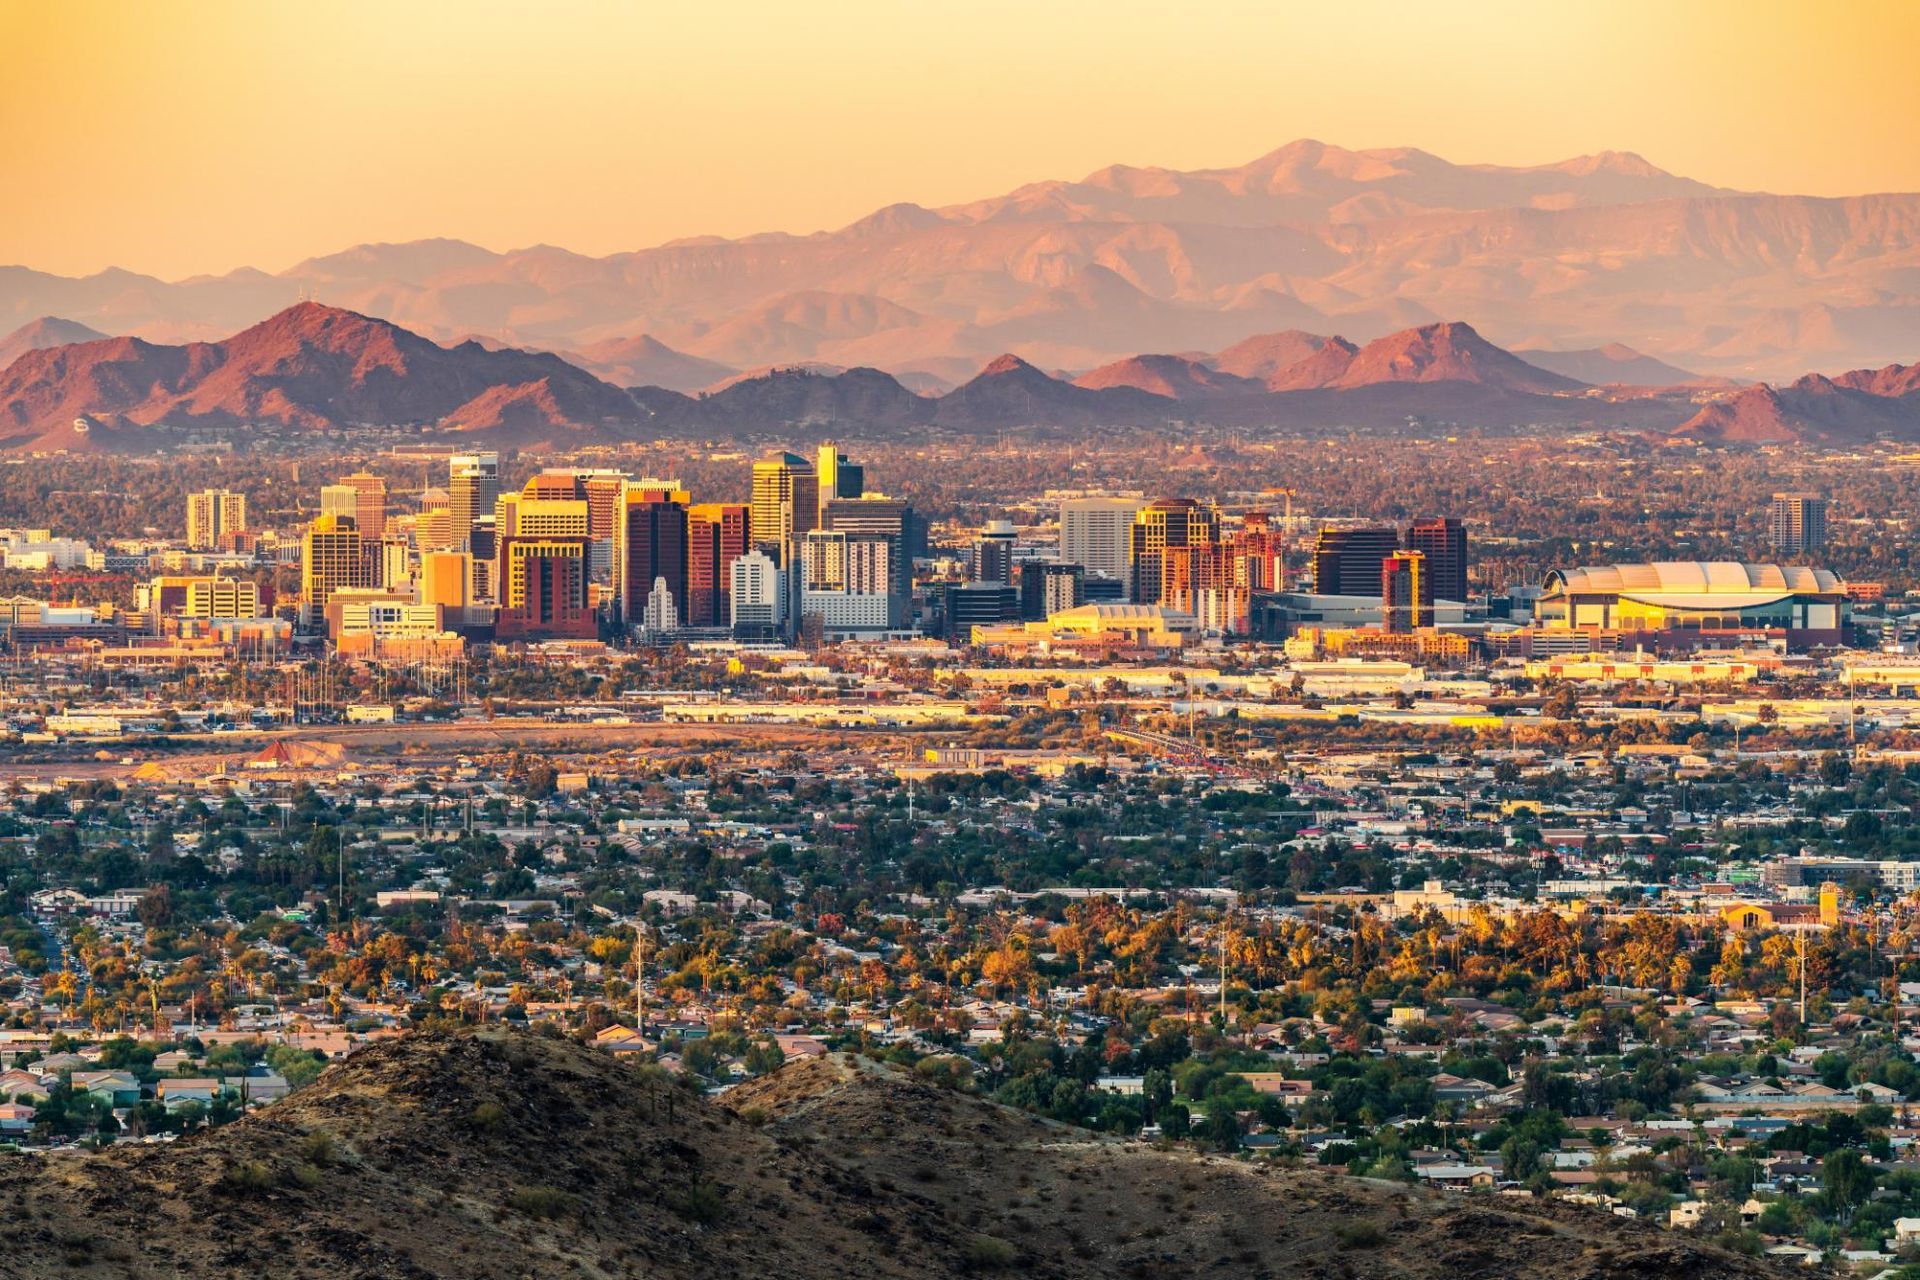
<point>505,1155</point>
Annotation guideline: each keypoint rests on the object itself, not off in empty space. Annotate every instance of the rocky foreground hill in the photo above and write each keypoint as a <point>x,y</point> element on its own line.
<point>507,1155</point>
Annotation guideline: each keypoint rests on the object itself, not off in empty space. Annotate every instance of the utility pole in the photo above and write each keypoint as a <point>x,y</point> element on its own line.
<point>1853,747</point>
<point>1801,934</point>
<point>1226,924</point>
<point>640,979</point>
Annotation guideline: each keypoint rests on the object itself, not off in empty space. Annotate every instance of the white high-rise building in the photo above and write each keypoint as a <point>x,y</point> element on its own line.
<point>660,617</point>
<point>847,582</point>
<point>757,592</point>
<point>1094,534</point>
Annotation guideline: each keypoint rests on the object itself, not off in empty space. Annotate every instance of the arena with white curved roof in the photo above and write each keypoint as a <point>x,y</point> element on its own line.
<point>1710,600</point>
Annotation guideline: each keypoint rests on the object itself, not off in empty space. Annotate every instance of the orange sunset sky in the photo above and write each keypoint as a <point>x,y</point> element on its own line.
<point>187,137</point>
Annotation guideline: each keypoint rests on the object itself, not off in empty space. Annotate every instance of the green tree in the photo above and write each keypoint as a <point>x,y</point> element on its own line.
<point>1519,1158</point>
<point>1223,1123</point>
<point>1847,1180</point>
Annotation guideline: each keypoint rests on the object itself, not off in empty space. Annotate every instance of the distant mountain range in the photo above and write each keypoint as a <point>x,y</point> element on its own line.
<point>645,361</point>
<point>1571,256</point>
<point>1613,365</point>
<point>313,367</point>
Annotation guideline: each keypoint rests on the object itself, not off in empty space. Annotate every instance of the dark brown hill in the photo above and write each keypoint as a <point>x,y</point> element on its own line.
<point>1849,409</point>
<point>497,1155</point>
<point>1009,392</point>
<point>307,367</point>
<point>786,397</point>
<point>1895,380</point>
<point>1321,369</point>
<point>1447,352</point>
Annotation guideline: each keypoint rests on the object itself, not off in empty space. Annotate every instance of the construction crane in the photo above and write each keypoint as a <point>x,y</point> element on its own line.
<point>1286,494</point>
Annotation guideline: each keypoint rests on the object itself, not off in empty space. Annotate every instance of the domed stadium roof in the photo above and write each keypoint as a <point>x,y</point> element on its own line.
<point>1695,583</point>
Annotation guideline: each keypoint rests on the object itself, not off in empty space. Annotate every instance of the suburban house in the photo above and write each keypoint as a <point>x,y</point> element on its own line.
<point>1455,1177</point>
<point>115,1088</point>
<point>20,1083</point>
<point>176,1092</point>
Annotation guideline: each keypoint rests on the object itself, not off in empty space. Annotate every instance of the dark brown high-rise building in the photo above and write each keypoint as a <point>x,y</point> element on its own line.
<point>543,590</point>
<point>651,545</point>
<point>1443,541</point>
<point>718,533</point>
<point>1346,562</point>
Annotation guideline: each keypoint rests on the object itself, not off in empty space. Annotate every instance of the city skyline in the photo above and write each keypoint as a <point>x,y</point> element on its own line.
<point>883,640</point>
<point>1176,872</point>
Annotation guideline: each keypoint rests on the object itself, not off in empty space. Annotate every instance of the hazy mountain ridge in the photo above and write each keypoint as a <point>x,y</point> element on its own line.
<point>1078,274</point>
<point>1615,364</point>
<point>38,335</point>
<point>644,361</point>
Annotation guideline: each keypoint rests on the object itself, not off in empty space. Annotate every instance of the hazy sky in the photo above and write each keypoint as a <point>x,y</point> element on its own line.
<point>201,136</point>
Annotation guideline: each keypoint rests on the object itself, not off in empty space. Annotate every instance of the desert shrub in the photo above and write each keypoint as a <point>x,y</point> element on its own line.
<point>699,1201</point>
<point>989,1253</point>
<point>248,1177</point>
<point>540,1202</point>
<point>1361,1235</point>
<point>489,1117</point>
<point>319,1149</point>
